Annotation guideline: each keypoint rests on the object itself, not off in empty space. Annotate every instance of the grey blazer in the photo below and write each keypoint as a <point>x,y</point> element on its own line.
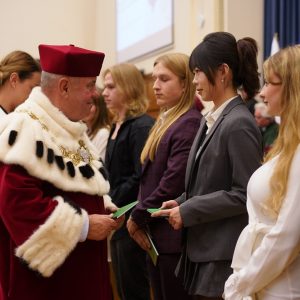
<point>213,207</point>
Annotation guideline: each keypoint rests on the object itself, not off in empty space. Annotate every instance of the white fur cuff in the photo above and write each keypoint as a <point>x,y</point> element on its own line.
<point>47,248</point>
<point>108,204</point>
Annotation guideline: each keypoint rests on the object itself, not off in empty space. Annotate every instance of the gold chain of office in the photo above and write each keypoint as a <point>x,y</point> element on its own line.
<point>82,153</point>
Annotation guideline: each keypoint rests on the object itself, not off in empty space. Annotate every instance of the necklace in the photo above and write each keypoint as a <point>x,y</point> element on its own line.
<point>81,154</point>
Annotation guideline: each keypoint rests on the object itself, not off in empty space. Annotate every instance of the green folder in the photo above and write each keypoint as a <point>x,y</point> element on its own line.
<point>124,209</point>
<point>152,251</point>
<point>153,210</point>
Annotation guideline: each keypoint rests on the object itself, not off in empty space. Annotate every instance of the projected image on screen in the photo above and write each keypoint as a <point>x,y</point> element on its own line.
<point>143,26</point>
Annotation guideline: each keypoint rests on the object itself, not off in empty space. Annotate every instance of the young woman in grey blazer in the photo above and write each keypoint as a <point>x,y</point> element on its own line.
<point>225,153</point>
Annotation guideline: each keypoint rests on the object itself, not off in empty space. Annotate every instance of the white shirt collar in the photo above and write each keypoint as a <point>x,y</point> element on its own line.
<point>165,114</point>
<point>212,116</point>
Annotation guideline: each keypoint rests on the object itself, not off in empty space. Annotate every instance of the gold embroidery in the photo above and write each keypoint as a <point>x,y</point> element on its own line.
<point>82,154</point>
<point>34,117</point>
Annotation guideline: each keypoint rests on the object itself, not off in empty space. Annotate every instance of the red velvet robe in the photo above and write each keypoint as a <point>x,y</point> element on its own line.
<point>25,203</point>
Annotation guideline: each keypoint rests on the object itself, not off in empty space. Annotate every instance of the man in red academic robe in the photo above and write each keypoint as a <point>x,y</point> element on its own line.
<point>53,219</point>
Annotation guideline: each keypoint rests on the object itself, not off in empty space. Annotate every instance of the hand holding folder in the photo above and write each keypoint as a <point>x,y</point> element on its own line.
<point>124,209</point>
<point>155,210</point>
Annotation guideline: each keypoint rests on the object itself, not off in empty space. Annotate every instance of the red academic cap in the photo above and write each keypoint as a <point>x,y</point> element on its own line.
<point>70,60</point>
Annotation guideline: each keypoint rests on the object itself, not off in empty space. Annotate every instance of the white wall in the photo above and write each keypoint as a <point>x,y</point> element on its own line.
<point>105,31</point>
<point>187,29</point>
<point>245,18</point>
<point>91,24</point>
<point>27,23</point>
<point>105,38</point>
<point>193,20</point>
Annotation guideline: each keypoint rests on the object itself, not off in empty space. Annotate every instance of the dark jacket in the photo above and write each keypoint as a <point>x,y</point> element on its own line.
<point>163,179</point>
<point>213,208</point>
<point>123,164</point>
<point>269,134</point>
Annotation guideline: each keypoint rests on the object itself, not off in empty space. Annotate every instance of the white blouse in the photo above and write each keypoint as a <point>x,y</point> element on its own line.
<point>100,141</point>
<point>266,260</point>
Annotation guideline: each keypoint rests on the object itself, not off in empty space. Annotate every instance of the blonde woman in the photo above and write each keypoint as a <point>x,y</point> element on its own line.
<point>19,74</point>
<point>124,95</point>
<point>266,261</point>
<point>164,159</point>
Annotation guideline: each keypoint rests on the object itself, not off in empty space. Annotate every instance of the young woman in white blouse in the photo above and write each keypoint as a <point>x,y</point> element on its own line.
<point>98,123</point>
<point>266,261</point>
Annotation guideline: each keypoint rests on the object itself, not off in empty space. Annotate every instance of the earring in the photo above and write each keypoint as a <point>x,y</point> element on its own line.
<point>222,80</point>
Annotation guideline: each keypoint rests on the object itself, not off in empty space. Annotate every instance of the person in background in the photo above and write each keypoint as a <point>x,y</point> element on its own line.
<point>266,260</point>
<point>98,123</point>
<point>164,159</point>
<point>250,103</point>
<point>198,103</point>
<point>225,153</point>
<point>53,222</point>
<point>124,95</point>
<point>267,125</point>
<point>19,74</point>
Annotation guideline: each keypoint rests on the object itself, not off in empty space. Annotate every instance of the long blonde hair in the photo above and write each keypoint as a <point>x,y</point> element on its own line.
<point>130,82</point>
<point>177,63</point>
<point>286,65</point>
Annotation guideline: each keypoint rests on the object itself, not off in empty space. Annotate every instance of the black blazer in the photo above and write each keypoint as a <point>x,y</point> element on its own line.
<point>123,162</point>
<point>213,207</point>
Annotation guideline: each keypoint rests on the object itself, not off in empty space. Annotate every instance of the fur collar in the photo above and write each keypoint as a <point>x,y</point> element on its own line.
<point>49,146</point>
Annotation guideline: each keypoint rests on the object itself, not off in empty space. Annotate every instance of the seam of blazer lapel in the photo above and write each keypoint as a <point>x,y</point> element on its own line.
<point>191,160</point>
<point>236,101</point>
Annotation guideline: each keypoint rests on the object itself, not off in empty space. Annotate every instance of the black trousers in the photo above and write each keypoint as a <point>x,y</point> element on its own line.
<point>166,286</point>
<point>129,266</point>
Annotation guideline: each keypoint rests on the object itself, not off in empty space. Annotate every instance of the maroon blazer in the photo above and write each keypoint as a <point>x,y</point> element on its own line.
<point>163,179</point>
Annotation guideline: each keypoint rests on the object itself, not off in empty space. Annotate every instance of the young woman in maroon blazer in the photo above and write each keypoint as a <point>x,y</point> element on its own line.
<point>164,159</point>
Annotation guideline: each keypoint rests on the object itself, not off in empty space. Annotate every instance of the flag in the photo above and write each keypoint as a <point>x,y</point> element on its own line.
<point>275,48</point>
<point>275,44</point>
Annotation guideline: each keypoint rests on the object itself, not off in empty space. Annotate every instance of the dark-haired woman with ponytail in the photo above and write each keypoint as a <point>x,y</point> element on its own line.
<point>225,153</point>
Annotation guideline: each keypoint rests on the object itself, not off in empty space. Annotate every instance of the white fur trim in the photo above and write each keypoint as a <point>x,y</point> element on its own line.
<point>60,132</point>
<point>47,248</point>
<point>108,204</point>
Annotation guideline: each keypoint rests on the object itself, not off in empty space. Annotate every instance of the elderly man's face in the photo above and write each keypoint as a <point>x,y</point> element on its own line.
<point>262,121</point>
<point>80,95</point>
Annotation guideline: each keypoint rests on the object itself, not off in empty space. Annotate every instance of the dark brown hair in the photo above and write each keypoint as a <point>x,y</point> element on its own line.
<point>101,119</point>
<point>241,57</point>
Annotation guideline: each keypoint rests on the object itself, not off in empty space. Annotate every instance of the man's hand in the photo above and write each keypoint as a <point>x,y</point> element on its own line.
<point>100,226</point>
<point>120,221</point>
